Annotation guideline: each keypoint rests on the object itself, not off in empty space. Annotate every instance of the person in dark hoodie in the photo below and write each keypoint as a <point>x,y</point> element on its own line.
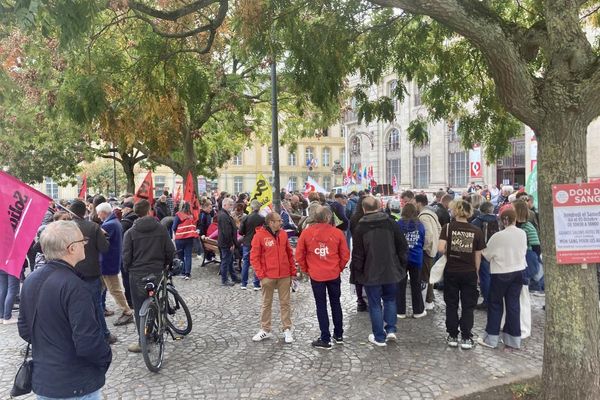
<point>379,259</point>
<point>361,304</point>
<point>127,221</point>
<point>247,230</point>
<point>147,249</point>
<point>488,223</point>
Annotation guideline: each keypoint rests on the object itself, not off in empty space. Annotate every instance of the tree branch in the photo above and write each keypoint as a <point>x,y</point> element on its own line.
<point>172,15</point>
<point>174,165</point>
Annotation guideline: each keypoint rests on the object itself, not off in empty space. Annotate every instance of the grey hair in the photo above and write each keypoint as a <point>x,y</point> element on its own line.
<point>323,215</point>
<point>103,207</point>
<point>56,237</point>
<point>255,205</point>
<point>227,200</point>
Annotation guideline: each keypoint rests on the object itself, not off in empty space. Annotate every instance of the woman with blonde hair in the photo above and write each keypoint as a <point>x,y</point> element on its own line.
<point>462,244</point>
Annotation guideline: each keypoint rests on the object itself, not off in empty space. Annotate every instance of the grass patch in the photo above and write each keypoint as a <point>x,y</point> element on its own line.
<point>527,389</point>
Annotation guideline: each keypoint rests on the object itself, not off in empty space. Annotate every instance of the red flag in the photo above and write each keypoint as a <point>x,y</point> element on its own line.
<point>191,196</point>
<point>83,191</point>
<point>178,195</point>
<point>349,172</point>
<point>25,208</point>
<point>146,190</point>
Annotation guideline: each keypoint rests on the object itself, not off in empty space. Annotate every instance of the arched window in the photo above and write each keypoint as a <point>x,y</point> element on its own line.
<point>392,156</point>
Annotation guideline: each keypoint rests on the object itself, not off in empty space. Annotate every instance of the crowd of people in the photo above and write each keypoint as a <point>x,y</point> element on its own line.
<point>86,249</point>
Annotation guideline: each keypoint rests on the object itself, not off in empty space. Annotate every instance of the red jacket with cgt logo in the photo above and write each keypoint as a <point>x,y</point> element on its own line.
<point>271,254</point>
<point>322,252</point>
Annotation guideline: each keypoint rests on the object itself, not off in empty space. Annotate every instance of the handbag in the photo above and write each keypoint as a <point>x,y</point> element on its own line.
<point>22,384</point>
<point>437,270</point>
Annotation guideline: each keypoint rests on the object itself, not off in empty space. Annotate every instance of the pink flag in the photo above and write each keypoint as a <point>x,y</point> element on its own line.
<point>25,208</point>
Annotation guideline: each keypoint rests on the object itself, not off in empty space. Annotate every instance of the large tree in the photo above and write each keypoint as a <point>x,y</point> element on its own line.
<point>488,64</point>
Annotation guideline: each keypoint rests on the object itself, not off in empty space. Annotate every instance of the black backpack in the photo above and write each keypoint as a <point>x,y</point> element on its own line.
<point>489,228</point>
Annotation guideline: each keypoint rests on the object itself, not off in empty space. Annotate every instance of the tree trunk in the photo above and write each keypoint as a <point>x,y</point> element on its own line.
<point>130,175</point>
<point>571,350</point>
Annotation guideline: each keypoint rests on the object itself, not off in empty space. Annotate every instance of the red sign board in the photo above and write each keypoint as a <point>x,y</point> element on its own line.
<point>476,171</point>
<point>577,222</point>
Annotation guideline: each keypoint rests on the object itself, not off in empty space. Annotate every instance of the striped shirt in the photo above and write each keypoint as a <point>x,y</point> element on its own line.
<point>532,236</point>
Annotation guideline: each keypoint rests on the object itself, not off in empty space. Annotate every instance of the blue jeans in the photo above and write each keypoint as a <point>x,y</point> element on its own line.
<point>320,291</point>
<point>96,288</point>
<point>376,294</point>
<point>246,267</point>
<point>227,264</point>
<point>97,395</point>
<point>485,280</point>
<point>184,247</point>
<point>9,288</point>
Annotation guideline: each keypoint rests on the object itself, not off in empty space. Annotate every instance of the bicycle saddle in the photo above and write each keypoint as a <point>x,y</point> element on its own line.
<point>149,278</point>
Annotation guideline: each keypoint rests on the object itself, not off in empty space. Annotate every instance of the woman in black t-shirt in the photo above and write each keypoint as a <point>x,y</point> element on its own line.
<point>462,243</point>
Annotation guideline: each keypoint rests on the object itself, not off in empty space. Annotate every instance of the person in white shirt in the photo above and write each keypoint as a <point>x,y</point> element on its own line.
<point>506,252</point>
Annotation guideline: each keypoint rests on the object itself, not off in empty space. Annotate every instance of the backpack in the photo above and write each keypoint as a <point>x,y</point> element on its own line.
<point>488,229</point>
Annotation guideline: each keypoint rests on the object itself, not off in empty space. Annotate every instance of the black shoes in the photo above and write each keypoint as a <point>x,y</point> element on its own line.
<point>361,307</point>
<point>319,344</point>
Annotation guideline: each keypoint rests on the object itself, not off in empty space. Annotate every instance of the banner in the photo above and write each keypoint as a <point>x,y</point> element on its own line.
<point>312,186</point>
<point>25,208</point>
<point>191,196</point>
<point>475,170</point>
<point>146,190</point>
<point>201,185</point>
<point>531,187</point>
<point>262,192</point>
<point>83,191</point>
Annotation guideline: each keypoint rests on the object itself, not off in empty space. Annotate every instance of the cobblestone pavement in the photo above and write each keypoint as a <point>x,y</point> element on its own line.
<point>218,360</point>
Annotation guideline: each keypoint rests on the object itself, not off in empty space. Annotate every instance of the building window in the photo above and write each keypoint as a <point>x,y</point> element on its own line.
<point>293,183</point>
<point>343,157</point>
<point>238,184</point>
<point>291,159</point>
<point>391,88</point>
<point>393,142</point>
<point>458,169</point>
<point>327,182</point>
<point>416,95</point>
<point>392,156</point>
<point>351,114</point>
<point>325,132</point>
<point>159,185</point>
<point>237,159</point>
<point>270,155</point>
<point>421,172</point>
<point>326,157</point>
<point>51,188</point>
<point>308,155</point>
<point>392,168</point>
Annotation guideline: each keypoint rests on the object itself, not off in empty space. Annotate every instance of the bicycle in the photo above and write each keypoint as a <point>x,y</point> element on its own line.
<point>159,315</point>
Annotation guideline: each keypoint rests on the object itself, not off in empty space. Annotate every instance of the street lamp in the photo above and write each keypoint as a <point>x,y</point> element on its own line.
<point>337,169</point>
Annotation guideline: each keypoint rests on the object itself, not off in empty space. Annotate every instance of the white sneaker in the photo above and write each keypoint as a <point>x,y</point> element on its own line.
<point>429,306</point>
<point>287,336</point>
<point>243,287</point>
<point>262,335</point>
<point>424,313</point>
<point>257,288</point>
<point>375,342</point>
<point>10,321</point>
<point>391,337</point>
<point>401,316</point>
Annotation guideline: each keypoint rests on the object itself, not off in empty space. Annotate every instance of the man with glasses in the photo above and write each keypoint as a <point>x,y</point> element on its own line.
<point>273,261</point>
<point>57,316</point>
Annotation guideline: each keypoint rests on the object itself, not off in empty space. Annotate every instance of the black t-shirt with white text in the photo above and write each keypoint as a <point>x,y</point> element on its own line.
<point>462,241</point>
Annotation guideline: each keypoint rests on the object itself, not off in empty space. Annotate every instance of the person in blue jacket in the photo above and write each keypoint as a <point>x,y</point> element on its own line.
<point>414,232</point>
<point>71,355</point>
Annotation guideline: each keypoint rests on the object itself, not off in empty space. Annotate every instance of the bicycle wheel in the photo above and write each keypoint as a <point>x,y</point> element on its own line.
<point>152,337</point>
<point>179,321</point>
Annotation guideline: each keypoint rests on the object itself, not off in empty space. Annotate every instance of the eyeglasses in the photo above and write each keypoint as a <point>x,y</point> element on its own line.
<point>84,241</point>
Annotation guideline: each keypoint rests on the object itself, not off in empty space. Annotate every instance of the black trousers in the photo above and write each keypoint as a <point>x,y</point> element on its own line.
<point>415,292</point>
<point>138,294</point>
<point>460,287</point>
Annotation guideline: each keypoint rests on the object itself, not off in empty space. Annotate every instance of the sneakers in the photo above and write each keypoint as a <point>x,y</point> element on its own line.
<point>124,319</point>
<point>287,336</point>
<point>361,307</point>
<point>375,342</point>
<point>429,306</point>
<point>481,306</point>
<point>401,316</point>
<point>134,348</point>
<point>262,335</point>
<point>319,344</point>
<point>391,337</point>
<point>467,344</point>
<point>108,313</point>
<point>423,314</point>
<point>338,340</point>
<point>10,321</point>
<point>452,341</point>
<point>111,339</point>
<point>483,343</point>
<point>227,284</point>
<point>187,278</point>
<point>242,287</point>
<point>256,288</point>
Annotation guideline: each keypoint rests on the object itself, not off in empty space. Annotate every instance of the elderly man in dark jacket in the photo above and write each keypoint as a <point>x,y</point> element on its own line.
<point>226,242</point>
<point>58,317</point>
<point>247,229</point>
<point>89,268</point>
<point>379,263</point>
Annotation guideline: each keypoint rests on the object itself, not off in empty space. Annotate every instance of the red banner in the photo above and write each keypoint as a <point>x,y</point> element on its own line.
<point>25,208</point>
<point>146,190</point>
<point>191,196</point>
<point>83,191</point>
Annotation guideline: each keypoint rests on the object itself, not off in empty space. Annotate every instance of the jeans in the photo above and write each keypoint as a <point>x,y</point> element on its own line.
<point>9,289</point>
<point>97,395</point>
<point>320,291</point>
<point>485,280</point>
<point>185,246</point>
<point>95,287</point>
<point>376,294</point>
<point>460,287</point>
<point>246,267</point>
<point>227,265</point>
<point>505,290</point>
<point>415,292</point>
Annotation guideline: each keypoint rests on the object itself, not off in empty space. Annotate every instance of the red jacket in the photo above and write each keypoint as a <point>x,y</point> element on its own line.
<point>186,228</point>
<point>271,255</point>
<point>322,252</point>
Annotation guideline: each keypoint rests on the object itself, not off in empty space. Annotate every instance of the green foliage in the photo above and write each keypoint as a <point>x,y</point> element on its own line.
<point>417,131</point>
<point>100,176</point>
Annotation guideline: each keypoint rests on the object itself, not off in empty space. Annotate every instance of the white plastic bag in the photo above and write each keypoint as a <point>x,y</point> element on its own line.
<point>437,271</point>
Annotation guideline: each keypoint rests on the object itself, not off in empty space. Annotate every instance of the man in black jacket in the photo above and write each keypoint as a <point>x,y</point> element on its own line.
<point>379,263</point>
<point>89,268</point>
<point>127,221</point>
<point>247,229</point>
<point>57,316</point>
<point>147,249</point>
<point>226,242</point>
